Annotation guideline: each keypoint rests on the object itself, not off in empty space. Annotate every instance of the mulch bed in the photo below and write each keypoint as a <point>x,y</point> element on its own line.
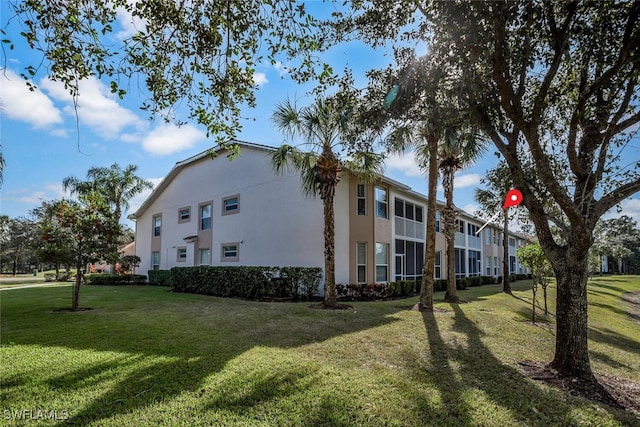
<point>613,391</point>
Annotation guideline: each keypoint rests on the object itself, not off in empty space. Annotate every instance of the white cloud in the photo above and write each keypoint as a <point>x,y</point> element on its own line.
<point>260,79</point>
<point>471,208</point>
<point>629,207</point>
<point>130,24</point>
<point>405,163</point>
<point>19,103</point>
<point>463,181</point>
<point>281,69</point>
<point>168,139</point>
<point>47,191</point>
<point>97,107</point>
<point>467,180</point>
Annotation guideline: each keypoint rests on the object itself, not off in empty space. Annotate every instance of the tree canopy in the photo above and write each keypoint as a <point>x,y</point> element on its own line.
<point>199,53</point>
<point>555,87</point>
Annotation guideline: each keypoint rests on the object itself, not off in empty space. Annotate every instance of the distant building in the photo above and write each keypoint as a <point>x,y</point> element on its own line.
<point>212,211</point>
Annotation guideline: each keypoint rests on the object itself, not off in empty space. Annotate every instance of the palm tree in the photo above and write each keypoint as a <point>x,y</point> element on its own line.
<point>425,141</point>
<point>498,182</point>
<point>457,150</point>
<point>117,185</point>
<point>322,126</point>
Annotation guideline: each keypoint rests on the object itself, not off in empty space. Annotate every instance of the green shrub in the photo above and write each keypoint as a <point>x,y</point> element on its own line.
<point>304,281</point>
<point>247,281</point>
<point>160,277</point>
<point>115,279</point>
<point>474,281</point>
<point>440,285</point>
<point>488,280</point>
<point>461,283</point>
<point>63,277</point>
<point>498,280</point>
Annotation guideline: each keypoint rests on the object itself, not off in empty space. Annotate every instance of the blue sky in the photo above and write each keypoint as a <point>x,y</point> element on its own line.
<point>43,143</point>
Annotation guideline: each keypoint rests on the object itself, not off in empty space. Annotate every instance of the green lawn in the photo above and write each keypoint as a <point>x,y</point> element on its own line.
<point>144,356</point>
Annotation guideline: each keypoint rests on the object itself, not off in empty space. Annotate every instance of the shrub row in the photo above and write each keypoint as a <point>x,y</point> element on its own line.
<point>402,288</point>
<point>115,279</point>
<point>298,283</point>
<point>160,277</point>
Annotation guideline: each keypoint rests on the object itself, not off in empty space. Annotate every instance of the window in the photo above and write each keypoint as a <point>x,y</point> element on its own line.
<point>419,213</point>
<point>231,205</point>
<point>205,217</point>
<point>361,263</point>
<point>409,259</point>
<point>155,260</point>
<point>475,263</point>
<point>381,202</point>
<point>157,225</point>
<point>496,265</point>
<point>438,265</point>
<point>460,262</point>
<point>437,221</point>
<point>488,266</point>
<point>472,229</point>
<point>460,226</point>
<point>182,254</point>
<point>205,256</point>
<point>487,236</point>
<point>361,199</point>
<point>407,210</point>
<point>496,237</point>
<point>382,262</point>
<point>184,215</point>
<point>230,252</point>
<point>512,265</point>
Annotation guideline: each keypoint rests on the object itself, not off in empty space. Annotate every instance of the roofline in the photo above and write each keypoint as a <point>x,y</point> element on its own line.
<point>186,162</point>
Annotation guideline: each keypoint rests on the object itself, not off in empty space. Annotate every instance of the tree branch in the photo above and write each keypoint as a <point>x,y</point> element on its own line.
<point>616,196</point>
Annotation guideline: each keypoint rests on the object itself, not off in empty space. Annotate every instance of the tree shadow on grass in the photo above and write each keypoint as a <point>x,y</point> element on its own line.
<point>615,339</point>
<point>162,352</point>
<point>479,369</point>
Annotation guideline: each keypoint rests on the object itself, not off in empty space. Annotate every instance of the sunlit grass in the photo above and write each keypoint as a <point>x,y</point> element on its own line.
<point>144,356</point>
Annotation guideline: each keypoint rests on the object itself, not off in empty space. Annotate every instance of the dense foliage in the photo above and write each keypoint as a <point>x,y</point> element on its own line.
<point>248,282</point>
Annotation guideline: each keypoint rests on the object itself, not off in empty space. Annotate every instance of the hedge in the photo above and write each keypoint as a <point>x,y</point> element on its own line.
<point>160,277</point>
<point>115,279</point>
<point>248,282</point>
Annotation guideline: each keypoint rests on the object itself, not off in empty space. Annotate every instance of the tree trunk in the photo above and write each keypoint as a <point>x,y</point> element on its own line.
<point>506,279</point>
<point>572,352</point>
<point>75,300</point>
<point>330,294</point>
<point>428,273</point>
<point>534,289</point>
<point>450,232</point>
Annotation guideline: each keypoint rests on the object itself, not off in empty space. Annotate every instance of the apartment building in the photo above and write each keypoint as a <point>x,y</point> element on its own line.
<point>213,211</point>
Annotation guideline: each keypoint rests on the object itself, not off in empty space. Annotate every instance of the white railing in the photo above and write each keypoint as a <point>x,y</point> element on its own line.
<point>408,228</point>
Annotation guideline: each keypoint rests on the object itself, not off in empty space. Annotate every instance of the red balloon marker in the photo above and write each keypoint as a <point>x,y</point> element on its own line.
<point>514,198</point>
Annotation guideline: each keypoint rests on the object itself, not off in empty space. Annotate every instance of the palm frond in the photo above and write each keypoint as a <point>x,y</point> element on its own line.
<point>286,118</point>
<point>366,166</point>
<point>401,139</point>
<point>282,159</point>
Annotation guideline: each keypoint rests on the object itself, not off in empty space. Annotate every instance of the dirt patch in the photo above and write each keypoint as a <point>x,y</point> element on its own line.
<point>613,391</point>
<point>322,306</point>
<point>68,310</point>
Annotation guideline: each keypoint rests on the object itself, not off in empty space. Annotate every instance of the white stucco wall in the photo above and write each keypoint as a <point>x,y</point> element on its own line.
<point>277,225</point>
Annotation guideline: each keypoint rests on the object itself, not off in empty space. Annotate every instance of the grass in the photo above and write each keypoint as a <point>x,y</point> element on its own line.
<point>144,356</point>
